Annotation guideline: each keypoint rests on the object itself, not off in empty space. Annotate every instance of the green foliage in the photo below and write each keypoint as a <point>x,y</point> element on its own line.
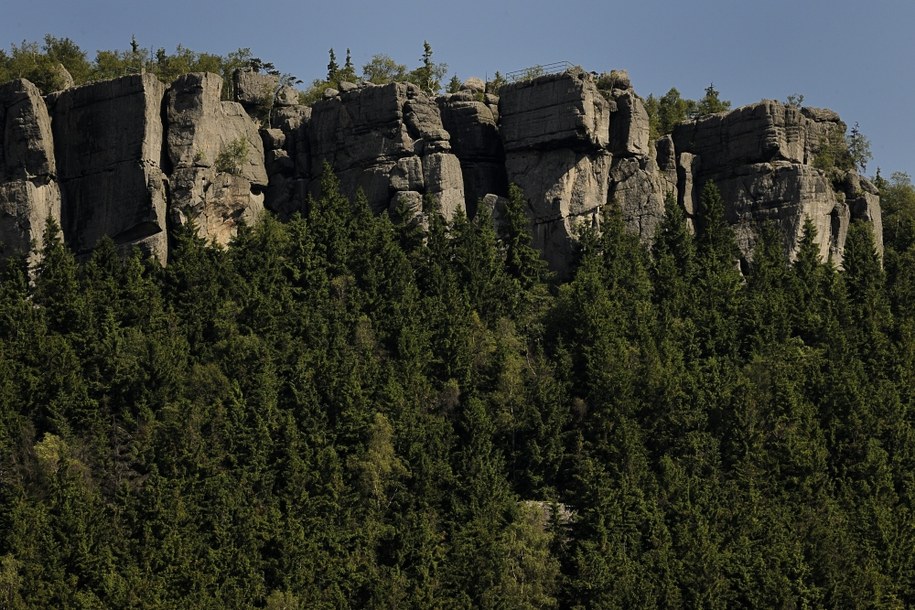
<point>710,103</point>
<point>233,156</point>
<point>341,411</point>
<point>429,74</point>
<point>382,69</point>
<point>667,111</point>
<point>42,64</point>
<point>497,82</point>
<point>859,148</point>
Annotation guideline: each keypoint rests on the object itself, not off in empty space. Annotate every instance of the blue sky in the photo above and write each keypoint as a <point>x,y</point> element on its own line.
<point>857,58</point>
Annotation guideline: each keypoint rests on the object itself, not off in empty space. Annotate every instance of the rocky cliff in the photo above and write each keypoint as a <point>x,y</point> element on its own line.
<point>132,158</point>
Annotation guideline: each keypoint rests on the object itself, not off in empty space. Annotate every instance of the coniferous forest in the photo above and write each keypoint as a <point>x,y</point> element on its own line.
<point>345,410</point>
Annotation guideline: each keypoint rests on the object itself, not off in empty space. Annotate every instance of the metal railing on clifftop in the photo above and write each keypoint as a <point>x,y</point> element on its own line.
<point>538,70</point>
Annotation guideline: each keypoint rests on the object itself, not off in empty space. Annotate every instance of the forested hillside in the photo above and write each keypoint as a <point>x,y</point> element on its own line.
<point>343,411</point>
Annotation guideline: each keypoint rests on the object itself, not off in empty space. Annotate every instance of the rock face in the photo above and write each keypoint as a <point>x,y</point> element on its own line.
<point>29,195</point>
<point>555,130</point>
<point>253,89</point>
<point>217,159</point>
<point>108,144</point>
<point>375,139</point>
<point>476,141</point>
<point>761,157</point>
<point>130,157</point>
<point>644,172</point>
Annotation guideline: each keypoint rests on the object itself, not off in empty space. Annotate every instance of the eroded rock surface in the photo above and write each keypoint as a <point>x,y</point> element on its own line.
<point>217,157</point>
<point>476,141</point>
<point>555,131</point>
<point>364,135</point>
<point>762,158</point>
<point>571,147</point>
<point>29,195</point>
<point>108,139</point>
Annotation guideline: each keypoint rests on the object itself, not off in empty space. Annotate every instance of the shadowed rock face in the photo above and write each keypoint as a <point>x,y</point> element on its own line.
<point>476,141</point>
<point>376,139</point>
<point>29,195</point>
<point>108,140</point>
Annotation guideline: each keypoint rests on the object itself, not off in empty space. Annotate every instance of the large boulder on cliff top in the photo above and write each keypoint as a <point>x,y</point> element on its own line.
<point>555,111</point>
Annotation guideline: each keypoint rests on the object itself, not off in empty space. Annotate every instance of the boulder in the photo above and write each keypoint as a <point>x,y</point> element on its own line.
<point>253,89</point>
<point>474,84</point>
<point>286,96</point>
<point>554,111</point>
<point>108,139</point>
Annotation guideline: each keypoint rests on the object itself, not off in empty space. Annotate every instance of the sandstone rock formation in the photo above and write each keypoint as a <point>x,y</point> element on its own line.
<point>475,138</point>
<point>131,153</point>
<point>108,139</point>
<point>761,157</point>
<point>556,130</point>
<point>217,159</point>
<point>375,138</point>
<point>29,195</point>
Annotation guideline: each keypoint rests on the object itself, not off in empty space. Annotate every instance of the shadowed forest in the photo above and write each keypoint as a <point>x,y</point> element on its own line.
<point>345,410</point>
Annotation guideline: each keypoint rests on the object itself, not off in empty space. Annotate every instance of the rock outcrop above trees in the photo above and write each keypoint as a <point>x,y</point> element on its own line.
<point>108,140</point>
<point>132,158</point>
<point>29,194</point>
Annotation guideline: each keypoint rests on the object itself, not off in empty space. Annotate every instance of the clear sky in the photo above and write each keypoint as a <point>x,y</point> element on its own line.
<point>856,57</point>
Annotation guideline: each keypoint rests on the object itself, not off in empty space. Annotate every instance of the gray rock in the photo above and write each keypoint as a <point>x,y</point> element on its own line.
<point>629,130</point>
<point>407,175</point>
<point>25,208</point>
<point>202,128</point>
<point>366,134</point>
<point>253,89</point>
<point>217,202</point>
<point>29,194</point>
<point>108,141</point>
<point>564,189</point>
<point>687,195</point>
<point>759,133</point>
<point>785,193</point>
<point>639,187</point>
<point>444,181</point>
<point>474,84</point>
<point>218,158</point>
<point>555,111</point>
<point>407,207</point>
<point>27,148</point>
<point>476,142</point>
<point>286,96</point>
<point>273,138</point>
